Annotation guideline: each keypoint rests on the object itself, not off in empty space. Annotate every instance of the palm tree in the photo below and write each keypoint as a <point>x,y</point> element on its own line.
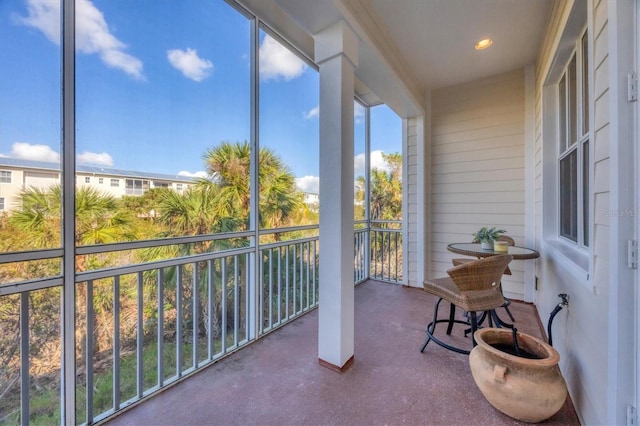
<point>385,191</point>
<point>222,204</point>
<point>228,165</point>
<point>190,213</point>
<point>385,198</point>
<point>39,217</point>
<point>98,220</point>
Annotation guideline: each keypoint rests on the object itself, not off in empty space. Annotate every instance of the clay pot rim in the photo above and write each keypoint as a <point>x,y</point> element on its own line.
<point>552,358</point>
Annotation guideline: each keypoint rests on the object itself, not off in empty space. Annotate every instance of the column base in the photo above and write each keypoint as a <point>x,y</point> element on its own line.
<point>334,367</point>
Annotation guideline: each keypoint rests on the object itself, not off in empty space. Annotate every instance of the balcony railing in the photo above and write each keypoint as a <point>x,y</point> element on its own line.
<point>142,327</point>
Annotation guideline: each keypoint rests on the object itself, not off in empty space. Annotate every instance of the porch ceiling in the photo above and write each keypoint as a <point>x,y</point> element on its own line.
<point>411,46</point>
<point>437,37</point>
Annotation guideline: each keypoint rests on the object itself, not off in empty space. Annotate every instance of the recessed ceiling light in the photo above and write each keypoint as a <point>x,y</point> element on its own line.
<point>483,44</point>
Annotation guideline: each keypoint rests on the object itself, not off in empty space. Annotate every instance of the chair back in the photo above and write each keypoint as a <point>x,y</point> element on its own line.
<point>482,274</point>
<point>510,241</point>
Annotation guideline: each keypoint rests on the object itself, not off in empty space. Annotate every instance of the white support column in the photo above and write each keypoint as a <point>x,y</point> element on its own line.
<point>337,57</point>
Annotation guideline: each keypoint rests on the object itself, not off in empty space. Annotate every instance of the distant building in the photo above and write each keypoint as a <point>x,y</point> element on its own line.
<point>312,200</point>
<point>16,175</point>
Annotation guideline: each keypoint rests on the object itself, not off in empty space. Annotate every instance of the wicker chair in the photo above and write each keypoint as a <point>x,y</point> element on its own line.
<point>473,287</point>
<point>460,261</point>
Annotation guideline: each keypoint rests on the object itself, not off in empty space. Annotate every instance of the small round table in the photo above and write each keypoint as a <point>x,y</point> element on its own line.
<point>476,250</point>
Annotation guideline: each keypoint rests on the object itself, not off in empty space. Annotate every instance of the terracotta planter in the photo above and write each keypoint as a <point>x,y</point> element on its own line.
<point>530,390</point>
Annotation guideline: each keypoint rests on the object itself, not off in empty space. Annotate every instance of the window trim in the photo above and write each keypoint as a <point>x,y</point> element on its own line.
<point>6,174</point>
<point>581,138</point>
<point>136,186</point>
<point>569,257</point>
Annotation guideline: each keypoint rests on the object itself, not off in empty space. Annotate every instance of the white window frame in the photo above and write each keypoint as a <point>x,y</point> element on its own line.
<point>134,186</point>
<point>6,176</point>
<point>568,256</point>
<point>115,183</point>
<point>578,118</point>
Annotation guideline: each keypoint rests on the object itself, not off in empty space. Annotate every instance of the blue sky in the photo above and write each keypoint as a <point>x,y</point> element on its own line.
<point>158,83</point>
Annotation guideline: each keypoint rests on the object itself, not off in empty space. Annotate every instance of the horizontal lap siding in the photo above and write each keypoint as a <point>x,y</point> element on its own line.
<point>593,402</point>
<point>580,331</point>
<point>413,263</point>
<point>477,166</point>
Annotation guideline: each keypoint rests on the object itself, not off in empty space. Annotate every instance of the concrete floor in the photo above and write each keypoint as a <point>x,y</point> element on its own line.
<point>278,381</point>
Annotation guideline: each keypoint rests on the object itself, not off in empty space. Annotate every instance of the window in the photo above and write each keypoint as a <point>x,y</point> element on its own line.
<point>115,182</point>
<point>100,181</point>
<point>87,179</point>
<point>5,176</point>
<point>1,204</point>
<point>573,147</point>
<point>136,186</point>
<point>179,187</point>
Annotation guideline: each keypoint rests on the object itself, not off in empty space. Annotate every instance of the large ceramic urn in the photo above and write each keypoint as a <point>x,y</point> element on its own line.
<point>528,387</point>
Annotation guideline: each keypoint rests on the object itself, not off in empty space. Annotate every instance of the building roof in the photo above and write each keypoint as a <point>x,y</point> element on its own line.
<point>43,165</point>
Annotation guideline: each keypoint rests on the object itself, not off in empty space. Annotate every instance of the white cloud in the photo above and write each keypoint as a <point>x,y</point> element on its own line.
<point>314,112</point>
<point>100,159</point>
<point>308,184</point>
<point>376,160</point>
<point>198,174</point>
<point>277,62</point>
<point>38,152</point>
<point>34,152</point>
<point>190,64</point>
<point>92,33</point>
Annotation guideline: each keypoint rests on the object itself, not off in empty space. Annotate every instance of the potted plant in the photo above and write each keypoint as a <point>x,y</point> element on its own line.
<point>487,236</point>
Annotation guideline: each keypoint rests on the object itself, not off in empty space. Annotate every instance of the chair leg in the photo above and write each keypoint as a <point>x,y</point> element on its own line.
<point>483,316</point>
<point>474,327</point>
<point>431,327</point>
<point>432,324</point>
<point>452,316</point>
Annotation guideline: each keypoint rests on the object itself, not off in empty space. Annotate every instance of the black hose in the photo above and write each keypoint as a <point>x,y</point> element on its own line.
<point>514,331</point>
<point>558,308</point>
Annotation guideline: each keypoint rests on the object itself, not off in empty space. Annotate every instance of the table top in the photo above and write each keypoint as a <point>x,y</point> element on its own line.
<point>475,249</point>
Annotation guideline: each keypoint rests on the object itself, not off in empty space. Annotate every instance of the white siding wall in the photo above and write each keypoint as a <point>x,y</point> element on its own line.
<point>44,179</point>
<point>478,175</point>
<point>415,199</point>
<point>411,261</point>
<point>579,331</point>
<point>10,191</point>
